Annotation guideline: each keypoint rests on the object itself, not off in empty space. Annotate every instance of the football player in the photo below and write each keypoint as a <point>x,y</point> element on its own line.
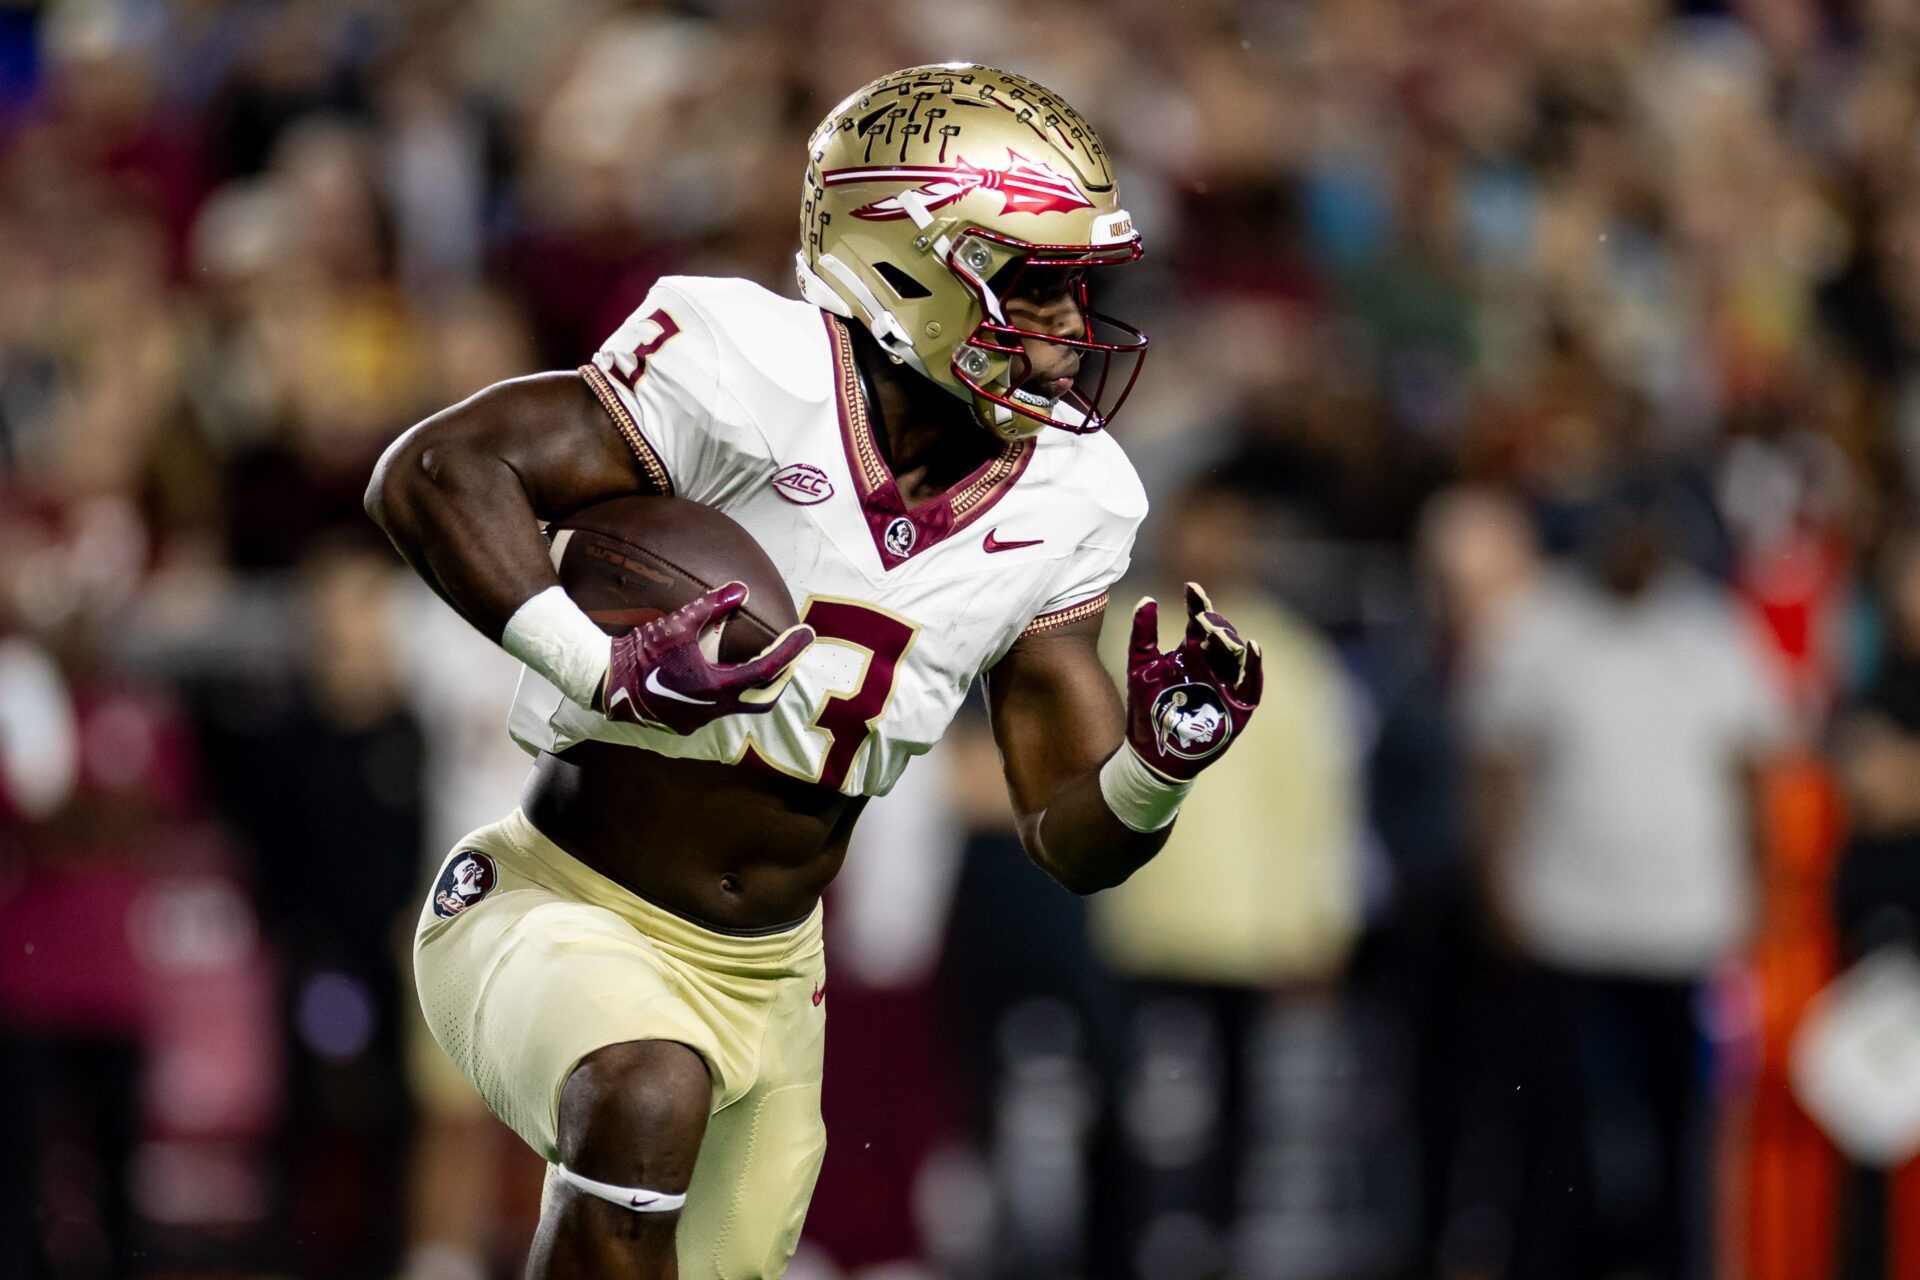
<point>629,966</point>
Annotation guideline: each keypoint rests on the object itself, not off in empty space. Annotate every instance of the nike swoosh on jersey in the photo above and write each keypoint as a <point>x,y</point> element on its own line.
<point>654,686</point>
<point>993,544</point>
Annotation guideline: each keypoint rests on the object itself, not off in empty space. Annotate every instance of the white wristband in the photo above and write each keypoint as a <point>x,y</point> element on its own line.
<point>554,636</point>
<point>1139,797</point>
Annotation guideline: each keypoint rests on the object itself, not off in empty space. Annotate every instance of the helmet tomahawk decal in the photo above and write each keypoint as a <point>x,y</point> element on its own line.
<point>1027,186</point>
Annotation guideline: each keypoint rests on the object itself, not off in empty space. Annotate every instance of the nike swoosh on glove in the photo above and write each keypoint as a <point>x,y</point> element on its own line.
<point>657,675</point>
<point>1185,706</point>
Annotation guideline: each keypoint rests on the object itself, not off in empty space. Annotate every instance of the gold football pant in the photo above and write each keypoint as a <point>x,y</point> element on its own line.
<point>527,960</point>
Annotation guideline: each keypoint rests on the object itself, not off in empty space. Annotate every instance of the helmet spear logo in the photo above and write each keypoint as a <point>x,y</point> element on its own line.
<point>1025,186</point>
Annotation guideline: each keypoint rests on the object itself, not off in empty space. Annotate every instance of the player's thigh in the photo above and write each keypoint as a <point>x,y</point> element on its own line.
<point>761,1154</point>
<point>522,988</point>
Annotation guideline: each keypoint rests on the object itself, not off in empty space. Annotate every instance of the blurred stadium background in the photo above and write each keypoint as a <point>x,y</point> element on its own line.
<point>1540,378</point>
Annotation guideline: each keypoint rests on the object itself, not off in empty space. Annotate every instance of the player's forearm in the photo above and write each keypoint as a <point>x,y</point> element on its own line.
<point>1078,840</point>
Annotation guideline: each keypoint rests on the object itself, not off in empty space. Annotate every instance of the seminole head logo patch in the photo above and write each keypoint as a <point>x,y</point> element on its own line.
<point>464,881</point>
<point>1189,722</point>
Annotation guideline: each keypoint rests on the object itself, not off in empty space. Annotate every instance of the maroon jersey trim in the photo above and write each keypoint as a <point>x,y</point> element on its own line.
<point>1073,613</point>
<point>649,457</point>
<point>931,522</point>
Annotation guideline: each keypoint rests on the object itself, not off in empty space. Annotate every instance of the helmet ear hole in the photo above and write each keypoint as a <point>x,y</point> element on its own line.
<point>903,285</point>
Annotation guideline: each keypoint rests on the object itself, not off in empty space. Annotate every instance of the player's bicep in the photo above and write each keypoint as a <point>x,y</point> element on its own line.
<point>552,432</point>
<point>1055,711</point>
<point>461,494</point>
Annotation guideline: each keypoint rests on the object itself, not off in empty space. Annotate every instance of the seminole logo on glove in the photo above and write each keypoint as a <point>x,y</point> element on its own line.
<point>1189,721</point>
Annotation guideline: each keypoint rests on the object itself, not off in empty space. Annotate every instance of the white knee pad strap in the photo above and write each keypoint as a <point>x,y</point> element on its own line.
<point>633,1198</point>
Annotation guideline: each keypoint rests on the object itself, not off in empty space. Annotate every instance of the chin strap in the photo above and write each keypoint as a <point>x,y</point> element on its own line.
<point>626,1197</point>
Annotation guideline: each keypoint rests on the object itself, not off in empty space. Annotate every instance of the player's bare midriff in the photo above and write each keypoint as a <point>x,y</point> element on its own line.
<point>730,848</point>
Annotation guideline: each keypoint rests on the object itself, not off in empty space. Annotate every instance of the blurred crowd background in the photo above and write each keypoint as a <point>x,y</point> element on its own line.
<point>1539,379</point>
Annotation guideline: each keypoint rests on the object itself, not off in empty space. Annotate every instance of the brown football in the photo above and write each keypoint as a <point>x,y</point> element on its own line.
<point>628,560</point>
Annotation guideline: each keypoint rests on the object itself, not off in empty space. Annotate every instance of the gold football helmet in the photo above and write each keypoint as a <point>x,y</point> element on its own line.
<point>929,193</point>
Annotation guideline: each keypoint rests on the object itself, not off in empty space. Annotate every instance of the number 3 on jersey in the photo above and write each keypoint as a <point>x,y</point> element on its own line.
<point>664,327</point>
<point>847,717</point>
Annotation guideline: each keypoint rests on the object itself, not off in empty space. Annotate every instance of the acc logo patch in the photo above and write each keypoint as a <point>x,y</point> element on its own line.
<point>464,881</point>
<point>1189,722</point>
<point>802,482</point>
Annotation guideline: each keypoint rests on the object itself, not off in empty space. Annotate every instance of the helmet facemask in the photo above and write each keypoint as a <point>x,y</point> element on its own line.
<point>992,361</point>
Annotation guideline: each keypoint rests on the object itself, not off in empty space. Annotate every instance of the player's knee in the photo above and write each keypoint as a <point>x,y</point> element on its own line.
<point>634,1114</point>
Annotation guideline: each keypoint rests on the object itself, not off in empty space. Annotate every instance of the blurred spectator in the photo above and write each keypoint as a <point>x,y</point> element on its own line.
<point>1478,556</point>
<point>1235,935</point>
<point>325,778</point>
<point>1878,884</point>
<point>135,1007</point>
<point>1036,1029</point>
<point>1879,881</point>
<point>1618,722</point>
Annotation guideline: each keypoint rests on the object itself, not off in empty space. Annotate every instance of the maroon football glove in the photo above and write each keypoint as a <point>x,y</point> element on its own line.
<point>1185,706</point>
<point>658,676</point>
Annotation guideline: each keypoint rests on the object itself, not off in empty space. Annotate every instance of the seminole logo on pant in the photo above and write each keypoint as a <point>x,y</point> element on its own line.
<point>467,879</point>
<point>1189,722</point>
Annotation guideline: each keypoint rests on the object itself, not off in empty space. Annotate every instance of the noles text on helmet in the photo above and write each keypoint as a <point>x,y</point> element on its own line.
<point>934,195</point>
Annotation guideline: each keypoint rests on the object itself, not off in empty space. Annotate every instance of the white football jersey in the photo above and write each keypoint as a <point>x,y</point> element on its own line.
<point>750,403</point>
